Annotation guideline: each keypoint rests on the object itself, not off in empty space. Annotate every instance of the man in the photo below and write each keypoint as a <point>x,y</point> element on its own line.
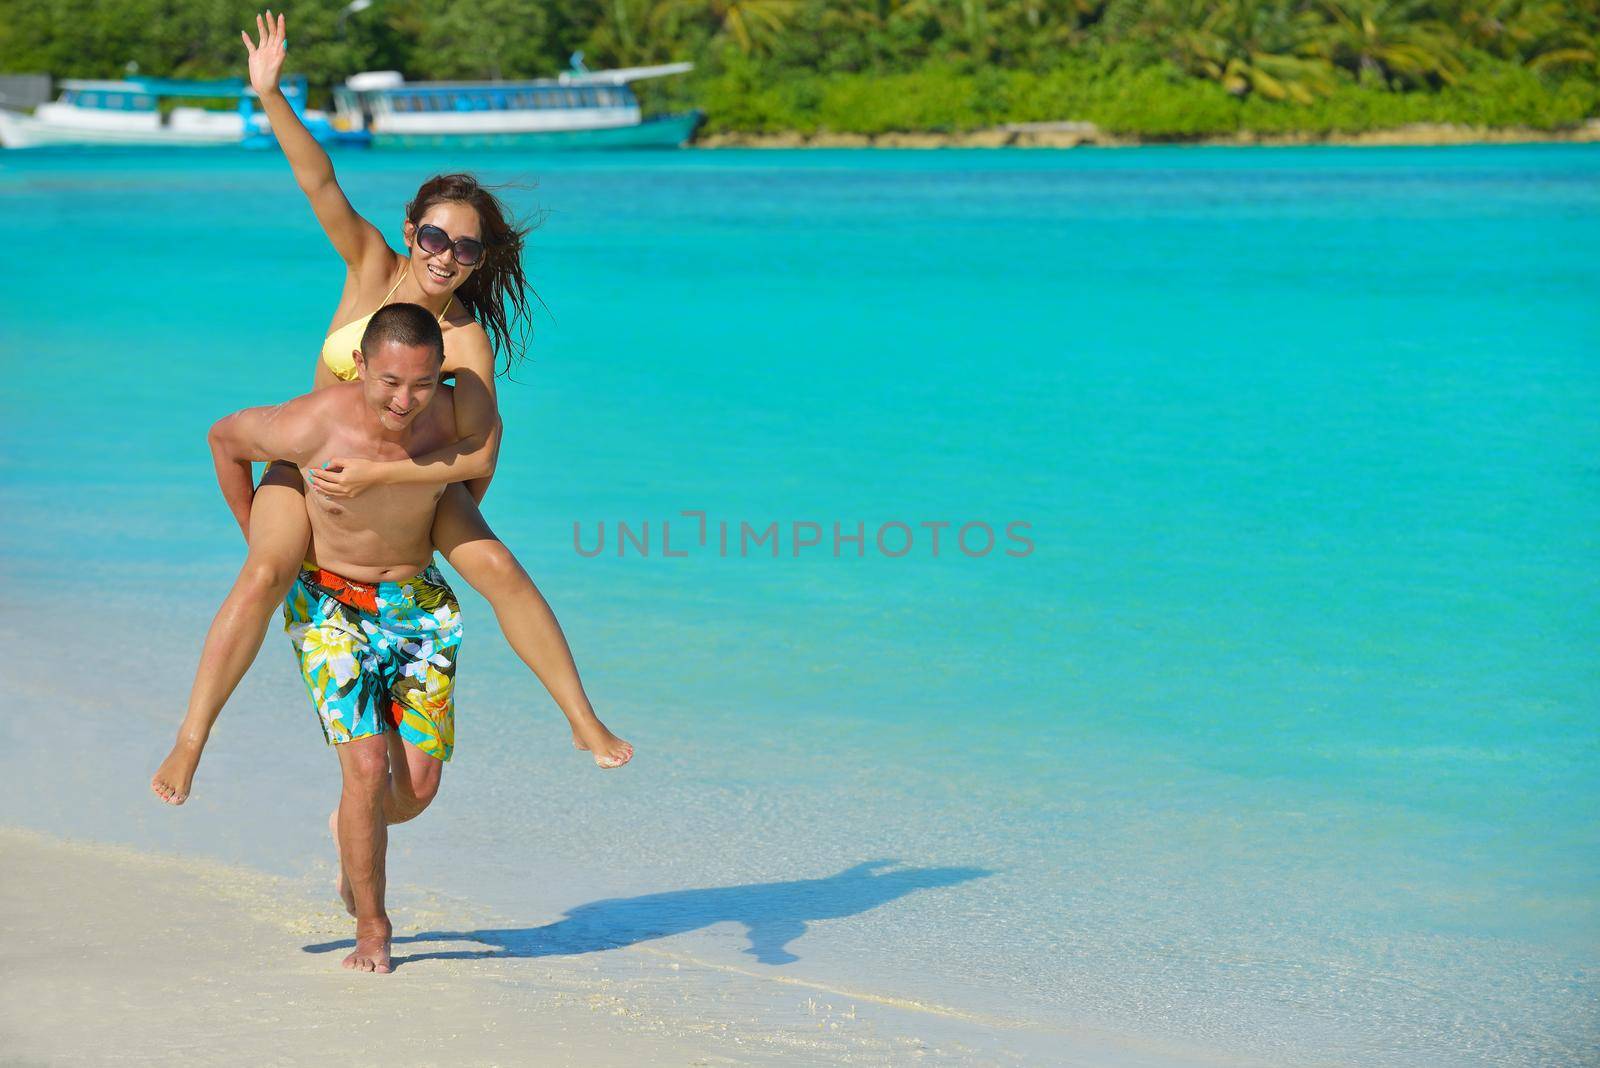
<point>374,623</point>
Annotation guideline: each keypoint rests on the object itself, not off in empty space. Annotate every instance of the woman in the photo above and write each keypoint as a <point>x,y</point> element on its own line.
<point>462,263</point>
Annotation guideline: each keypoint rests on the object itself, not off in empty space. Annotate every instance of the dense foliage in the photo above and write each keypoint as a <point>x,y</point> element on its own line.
<point>1166,68</point>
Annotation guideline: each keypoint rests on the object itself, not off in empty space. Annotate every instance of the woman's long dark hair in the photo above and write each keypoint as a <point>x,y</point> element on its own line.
<point>497,292</point>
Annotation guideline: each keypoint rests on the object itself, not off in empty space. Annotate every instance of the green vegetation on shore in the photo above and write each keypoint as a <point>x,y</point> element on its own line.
<point>1144,68</point>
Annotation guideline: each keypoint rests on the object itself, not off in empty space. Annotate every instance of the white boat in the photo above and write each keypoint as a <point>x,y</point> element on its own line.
<point>578,109</point>
<point>141,111</point>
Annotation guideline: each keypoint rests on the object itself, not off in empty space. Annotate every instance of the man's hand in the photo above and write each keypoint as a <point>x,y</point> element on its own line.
<point>344,478</point>
<point>266,58</point>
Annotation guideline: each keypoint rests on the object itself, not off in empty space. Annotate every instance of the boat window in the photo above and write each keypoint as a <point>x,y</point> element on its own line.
<point>143,103</point>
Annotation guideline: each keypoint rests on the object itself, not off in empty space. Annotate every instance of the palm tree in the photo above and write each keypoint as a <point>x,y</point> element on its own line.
<point>1389,42</point>
<point>620,34</point>
<point>1249,46</point>
<point>750,24</point>
<point>962,23</point>
<point>1042,27</point>
<point>1544,34</point>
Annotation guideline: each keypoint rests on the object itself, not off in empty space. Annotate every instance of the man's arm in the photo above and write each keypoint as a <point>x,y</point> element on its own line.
<point>287,431</point>
<point>468,458</point>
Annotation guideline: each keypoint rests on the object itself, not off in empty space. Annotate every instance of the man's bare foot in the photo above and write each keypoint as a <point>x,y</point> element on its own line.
<point>347,895</point>
<point>372,947</point>
<point>609,750</point>
<point>171,780</point>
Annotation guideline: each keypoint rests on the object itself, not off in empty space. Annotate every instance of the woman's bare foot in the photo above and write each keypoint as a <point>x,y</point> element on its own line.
<point>609,750</point>
<point>171,780</point>
<point>347,895</point>
<point>372,947</point>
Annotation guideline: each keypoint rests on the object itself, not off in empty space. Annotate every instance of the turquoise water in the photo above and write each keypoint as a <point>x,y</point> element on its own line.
<point>1280,744</point>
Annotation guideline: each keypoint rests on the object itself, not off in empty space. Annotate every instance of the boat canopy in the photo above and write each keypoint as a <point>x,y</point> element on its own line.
<point>176,88</point>
<point>392,81</point>
<point>505,96</point>
<point>623,75</point>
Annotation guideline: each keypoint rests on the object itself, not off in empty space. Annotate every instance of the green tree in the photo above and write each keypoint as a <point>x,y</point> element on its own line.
<point>1247,46</point>
<point>622,36</point>
<point>1545,34</point>
<point>1390,43</point>
<point>483,39</point>
<point>751,26</point>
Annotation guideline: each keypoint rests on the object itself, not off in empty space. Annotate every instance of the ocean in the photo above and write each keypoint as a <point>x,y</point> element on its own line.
<point>1246,707</point>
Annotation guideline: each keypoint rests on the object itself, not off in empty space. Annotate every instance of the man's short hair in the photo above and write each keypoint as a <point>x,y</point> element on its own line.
<point>403,324</point>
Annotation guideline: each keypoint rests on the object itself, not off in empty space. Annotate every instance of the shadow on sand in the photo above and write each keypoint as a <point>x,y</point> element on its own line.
<point>774,914</point>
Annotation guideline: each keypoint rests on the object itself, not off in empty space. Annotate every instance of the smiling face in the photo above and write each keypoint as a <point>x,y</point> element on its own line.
<point>398,381</point>
<point>437,274</point>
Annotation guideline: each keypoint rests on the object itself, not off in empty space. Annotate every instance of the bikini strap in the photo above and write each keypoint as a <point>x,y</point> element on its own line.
<point>394,287</point>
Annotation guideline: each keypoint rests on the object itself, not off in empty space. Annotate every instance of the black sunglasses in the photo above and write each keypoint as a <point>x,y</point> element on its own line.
<point>468,250</point>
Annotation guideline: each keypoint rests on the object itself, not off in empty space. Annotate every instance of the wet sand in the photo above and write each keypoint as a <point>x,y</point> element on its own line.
<point>110,955</point>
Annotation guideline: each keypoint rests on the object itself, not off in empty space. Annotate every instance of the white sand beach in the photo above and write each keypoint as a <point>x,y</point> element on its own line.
<point>113,956</point>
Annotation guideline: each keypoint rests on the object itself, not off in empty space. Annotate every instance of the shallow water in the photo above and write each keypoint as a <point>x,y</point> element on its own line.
<point>1279,743</point>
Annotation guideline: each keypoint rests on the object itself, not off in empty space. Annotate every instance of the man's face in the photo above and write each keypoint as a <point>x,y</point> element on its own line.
<point>398,381</point>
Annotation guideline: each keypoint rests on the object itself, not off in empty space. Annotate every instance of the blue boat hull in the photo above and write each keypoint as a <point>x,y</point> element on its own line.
<point>663,131</point>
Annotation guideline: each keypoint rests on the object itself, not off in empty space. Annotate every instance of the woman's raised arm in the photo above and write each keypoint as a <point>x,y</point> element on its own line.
<point>355,239</point>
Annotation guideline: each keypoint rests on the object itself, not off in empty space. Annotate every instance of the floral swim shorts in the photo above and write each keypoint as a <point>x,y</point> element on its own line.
<point>378,656</point>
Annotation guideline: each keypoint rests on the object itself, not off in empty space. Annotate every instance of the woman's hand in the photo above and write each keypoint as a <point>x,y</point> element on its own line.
<point>344,478</point>
<point>266,58</point>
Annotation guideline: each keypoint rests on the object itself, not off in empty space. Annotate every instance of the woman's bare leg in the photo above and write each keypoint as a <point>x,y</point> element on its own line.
<point>460,533</point>
<point>279,531</point>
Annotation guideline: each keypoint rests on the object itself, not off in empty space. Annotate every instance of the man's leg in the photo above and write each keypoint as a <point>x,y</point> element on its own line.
<point>279,530</point>
<point>531,629</point>
<point>413,780</point>
<point>363,843</point>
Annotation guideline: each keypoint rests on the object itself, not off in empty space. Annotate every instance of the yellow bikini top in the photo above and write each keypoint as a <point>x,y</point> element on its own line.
<point>338,346</point>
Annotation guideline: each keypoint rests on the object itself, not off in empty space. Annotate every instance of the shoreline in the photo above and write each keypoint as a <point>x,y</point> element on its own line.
<point>1087,135</point>
<point>113,955</point>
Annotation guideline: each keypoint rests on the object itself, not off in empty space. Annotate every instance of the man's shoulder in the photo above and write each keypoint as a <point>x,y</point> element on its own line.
<point>306,419</point>
<point>327,399</point>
